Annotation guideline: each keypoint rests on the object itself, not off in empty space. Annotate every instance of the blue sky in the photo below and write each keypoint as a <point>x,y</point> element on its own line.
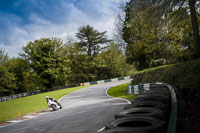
<point>22,21</point>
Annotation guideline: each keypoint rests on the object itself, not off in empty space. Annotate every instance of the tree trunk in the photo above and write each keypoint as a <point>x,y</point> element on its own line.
<point>195,28</point>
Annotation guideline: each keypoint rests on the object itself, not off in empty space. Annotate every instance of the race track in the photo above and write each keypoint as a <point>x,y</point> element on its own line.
<point>84,111</point>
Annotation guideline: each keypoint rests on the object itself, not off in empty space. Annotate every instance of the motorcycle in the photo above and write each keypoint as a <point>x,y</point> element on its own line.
<point>53,104</point>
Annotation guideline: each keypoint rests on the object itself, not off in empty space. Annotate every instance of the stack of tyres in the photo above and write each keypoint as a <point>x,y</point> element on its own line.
<point>157,101</point>
<point>161,91</point>
<point>144,112</point>
<point>158,97</point>
<point>182,120</point>
<point>123,130</point>
<point>154,97</point>
<point>159,86</point>
<point>150,104</point>
<point>138,124</point>
<point>149,113</point>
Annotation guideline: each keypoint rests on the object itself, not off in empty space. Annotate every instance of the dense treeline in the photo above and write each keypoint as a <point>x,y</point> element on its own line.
<point>157,32</point>
<point>48,62</point>
<point>147,34</point>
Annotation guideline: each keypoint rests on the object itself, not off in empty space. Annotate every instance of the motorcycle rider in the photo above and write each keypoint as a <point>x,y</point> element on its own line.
<point>50,98</point>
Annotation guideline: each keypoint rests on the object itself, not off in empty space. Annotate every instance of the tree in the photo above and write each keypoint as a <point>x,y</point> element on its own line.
<point>150,37</point>
<point>17,77</point>
<point>46,59</point>
<point>7,81</point>
<point>112,63</point>
<point>119,23</point>
<point>3,56</point>
<point>178,36</point>
<point>84,68</point>
<point>77,62</point>
<point>166,8</point>
<point>91,40</point>
<point>195,27</point>
<point>143,35</point>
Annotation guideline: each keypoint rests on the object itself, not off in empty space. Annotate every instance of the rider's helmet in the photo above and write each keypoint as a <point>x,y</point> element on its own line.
<point>47,99</point>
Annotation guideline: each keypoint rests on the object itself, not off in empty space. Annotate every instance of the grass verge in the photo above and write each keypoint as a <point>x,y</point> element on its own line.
<point>120,91</point>
<point>153,68</point>
<point>9,109</point>
<point>186,77</point>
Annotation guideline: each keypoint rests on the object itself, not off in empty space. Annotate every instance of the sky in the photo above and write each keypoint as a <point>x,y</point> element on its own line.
<point>22,21</point>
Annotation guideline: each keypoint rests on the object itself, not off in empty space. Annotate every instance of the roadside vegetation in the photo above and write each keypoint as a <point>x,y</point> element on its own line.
<point>186,77</point>
<point>120,92</point>
<point>48,62</point>
<point>30,104</point>
<point>147,34</point>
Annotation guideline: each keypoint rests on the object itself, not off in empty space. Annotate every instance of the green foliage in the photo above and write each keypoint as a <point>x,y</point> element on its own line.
<point>120,91</point>
<point>151,34</point>
<point>185,76</point>
<point>107,64</point>
<point>26,105</point>
<point>169,9</point>
<point>77,63</point>
<point>113,63</point>
<point>7,81</point>
<point>16,77</point>
<point>153,63</point>
<point>47,63</point>
<point>3,56</point>
<point>91,40</point>
<point>46,59</point>
<point>142,38</point>
<point>178,37</point>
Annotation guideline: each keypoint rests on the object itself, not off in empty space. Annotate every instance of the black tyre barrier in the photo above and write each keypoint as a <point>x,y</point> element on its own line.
<point>181,109</point>
<point>163,97</point>
<point>148,124</point>
<point>145,112</point>
<point>179,95</point>
<point>160,92</point>
<point>182,125</point>
<point>149,104</point>
<point>159,98</point>
<point>160,87</point>
<point>155,95</point>
<point>181,117</point>
<point>123,130</point>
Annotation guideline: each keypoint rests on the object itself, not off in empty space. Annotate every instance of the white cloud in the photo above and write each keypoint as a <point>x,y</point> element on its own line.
<point>72,18</point>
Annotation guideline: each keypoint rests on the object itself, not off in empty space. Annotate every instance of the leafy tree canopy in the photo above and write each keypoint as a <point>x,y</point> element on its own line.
<point>45,58</point>
<point>91,40</point>
<point>3,56</point>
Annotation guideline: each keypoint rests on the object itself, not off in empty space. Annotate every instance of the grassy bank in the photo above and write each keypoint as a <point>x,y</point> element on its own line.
<point>120,91</point>
<point>186,77</point>
<point>26,105</point>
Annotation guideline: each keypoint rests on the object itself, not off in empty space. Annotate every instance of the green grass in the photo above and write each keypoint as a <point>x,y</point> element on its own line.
<point>184,75</point>
<point>153,68</point>
<point>9,109</point>
<point>120,91</point>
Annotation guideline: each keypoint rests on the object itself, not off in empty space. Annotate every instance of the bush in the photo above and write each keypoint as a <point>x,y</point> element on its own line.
<point>185,76</point>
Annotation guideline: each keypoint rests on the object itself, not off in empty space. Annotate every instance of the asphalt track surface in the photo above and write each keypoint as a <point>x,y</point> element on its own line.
<point>84,111</point>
